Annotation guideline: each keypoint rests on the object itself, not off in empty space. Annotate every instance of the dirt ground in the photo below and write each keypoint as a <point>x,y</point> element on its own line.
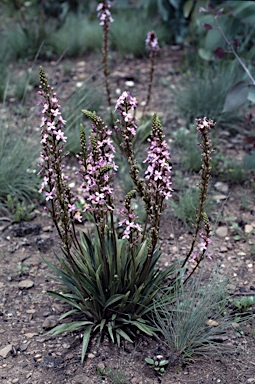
<point>28,355</point>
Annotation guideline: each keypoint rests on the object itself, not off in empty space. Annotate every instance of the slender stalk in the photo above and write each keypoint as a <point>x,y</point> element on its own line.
<point>151,76</point>
<point>203,127</point>
<point>234,51</point>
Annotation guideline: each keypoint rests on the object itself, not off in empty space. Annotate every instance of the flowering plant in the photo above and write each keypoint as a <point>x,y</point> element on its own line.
<point>111,277</point>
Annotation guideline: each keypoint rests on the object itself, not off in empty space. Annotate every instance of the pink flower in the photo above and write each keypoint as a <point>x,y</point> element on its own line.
<point>124,105</point>
<point>60,136</point>
<point>152,43</point>
<point>104,14</point>
<point>158,171</point>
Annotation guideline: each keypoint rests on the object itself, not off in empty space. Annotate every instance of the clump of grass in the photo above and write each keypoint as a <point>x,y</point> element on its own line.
<point>23,82</point>
<point>88,96</point>
<point>197,319</point>
<point>185,208</point>
<point>116,376</point>
<point>129,30</point>
<point>204,93</point>
<point>4,62</point>
<point>234,172</point>
<point>17,178</point>
<point>190,155</point>
<point>78,34</point>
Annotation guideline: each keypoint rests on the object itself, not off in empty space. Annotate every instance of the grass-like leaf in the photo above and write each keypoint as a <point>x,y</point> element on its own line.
<point>85,341</point>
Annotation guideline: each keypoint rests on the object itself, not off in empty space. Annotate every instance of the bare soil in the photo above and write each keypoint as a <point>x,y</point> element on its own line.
<point>27,354</point>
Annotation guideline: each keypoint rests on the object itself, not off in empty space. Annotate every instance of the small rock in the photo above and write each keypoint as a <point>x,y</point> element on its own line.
<point>26,284</point>
<point>23,347</point>
<point>6,351</point>
<point>251,380</point>
<point>78,379</point>
<point>134,380</point>
<point>212,323</point>
<point>218,198</point>
<point>129,83</point>
<point>101,365</point>
<point>47,228</point>
<point>223,249</point>
<point>221,187</point>
<point>50,322</point>
<point>44,243</point>
<point>46,313</point>
<point>30,311</point>
<point>91,356</point>
<point>248,228</point>
<point>23,229</point>
<point>222,231</point>
<point>30,335</point>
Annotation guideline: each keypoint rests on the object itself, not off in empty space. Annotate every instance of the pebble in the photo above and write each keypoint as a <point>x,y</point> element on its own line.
<point>23,347</point>
<point>30,335</point>
<point>221,187</point>
<point>129,83</point>
<point>50,322</point>
<point>212,323</point>
<point>6,351</point>
<point>248,228</point>
<point>101,365</point>
<point>222,231</point>
<point>218,198</point>
<point>26,284</point>
<point>91,356</point>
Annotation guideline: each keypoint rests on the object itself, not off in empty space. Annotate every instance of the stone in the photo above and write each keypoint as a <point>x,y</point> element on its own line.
<point>101,366</point>
<point>129,83</point>
<point>50,322</point>
<point>212,323</point>
<point>26,284</point>
<point>222,231</point>
<point>248,228</point>
<point>23,347</point>
<point>218,198</point>
<point>6,351</point>
<point>221,187</point>
<point>30,335</point>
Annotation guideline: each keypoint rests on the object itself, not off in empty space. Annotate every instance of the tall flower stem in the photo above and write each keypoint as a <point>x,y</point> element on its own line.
<point>97,166</point>
<point>153,47</point>
<point>105,17</point>
<point>203,127</point>
<point>54,185</point>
